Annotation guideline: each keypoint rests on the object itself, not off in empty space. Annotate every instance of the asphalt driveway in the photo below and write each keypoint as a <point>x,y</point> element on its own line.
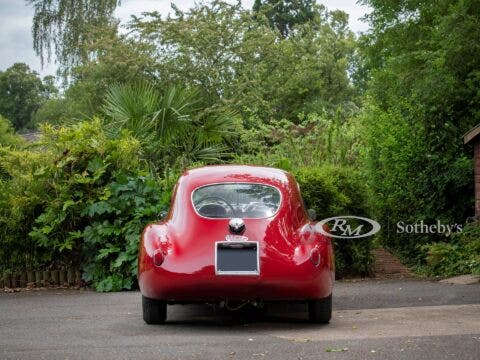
<point>390,319</point>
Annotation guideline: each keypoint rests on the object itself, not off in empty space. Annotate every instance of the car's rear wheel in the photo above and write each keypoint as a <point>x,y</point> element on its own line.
<point>154,311</point>
<point>320,310</point>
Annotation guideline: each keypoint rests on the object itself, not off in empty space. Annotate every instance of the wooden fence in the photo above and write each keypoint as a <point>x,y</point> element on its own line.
<point>38,278</point>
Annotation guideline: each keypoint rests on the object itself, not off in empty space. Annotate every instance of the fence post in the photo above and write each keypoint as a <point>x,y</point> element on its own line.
<point>62,277</point>
<point>54,275</point>
<point>70,276</point>
<point>23,279</point>
<point>30,277</point>
<point>38,278</point>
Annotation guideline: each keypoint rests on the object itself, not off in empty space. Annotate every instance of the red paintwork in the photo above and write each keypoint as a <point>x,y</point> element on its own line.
<point>187,240</point>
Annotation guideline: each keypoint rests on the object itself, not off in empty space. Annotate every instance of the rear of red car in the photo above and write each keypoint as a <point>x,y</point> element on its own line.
<point>234,233</point>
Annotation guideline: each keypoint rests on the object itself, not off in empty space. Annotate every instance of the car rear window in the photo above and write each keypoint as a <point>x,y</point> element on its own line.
<point>242,200</point>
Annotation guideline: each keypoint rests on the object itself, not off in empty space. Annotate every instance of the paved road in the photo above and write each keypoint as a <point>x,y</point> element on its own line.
<point>372,320</point>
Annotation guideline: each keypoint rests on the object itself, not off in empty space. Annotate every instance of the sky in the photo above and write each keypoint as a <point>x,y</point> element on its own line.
<point>16,42</point>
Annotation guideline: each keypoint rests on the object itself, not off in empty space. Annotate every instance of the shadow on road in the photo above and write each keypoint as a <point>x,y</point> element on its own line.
<point>207,316</point>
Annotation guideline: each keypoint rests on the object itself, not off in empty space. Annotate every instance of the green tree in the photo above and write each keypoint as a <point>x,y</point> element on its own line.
<point>63,25</point>
<point>226,53</point>
<point>21,94</point>
<point>304,73</point>
<point>119,60</point>
<point>196,48</point>
<point>422,61</point>
<point>241,62</point>
<point>285,15</point>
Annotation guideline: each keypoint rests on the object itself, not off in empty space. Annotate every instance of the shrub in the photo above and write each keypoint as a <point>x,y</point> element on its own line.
<point>22,198</point>
<point>7,133</point>
<point>461,255</point>
<point>414,175</point>
<point>111,241</point>
<point>78,199</point>
<point>83,163</point>
<point>312,140</point>
<point>334,191</point>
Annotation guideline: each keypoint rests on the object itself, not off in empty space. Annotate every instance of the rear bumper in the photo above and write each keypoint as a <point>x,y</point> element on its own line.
<point>298,282</point>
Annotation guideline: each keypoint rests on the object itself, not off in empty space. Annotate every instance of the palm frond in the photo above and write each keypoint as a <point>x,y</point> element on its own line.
<point>217,125</point>
<point>130,107</point>
<point>174,128</point>
<point>176,107</point>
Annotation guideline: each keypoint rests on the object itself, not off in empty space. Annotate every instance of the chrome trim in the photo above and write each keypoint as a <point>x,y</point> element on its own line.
<point>237,225</point>
<point>219,272</point>
<point>235,238</point>
<point>237,182</point>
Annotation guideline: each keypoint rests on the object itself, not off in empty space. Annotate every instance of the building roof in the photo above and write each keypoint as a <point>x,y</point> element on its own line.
<point>471,134</point>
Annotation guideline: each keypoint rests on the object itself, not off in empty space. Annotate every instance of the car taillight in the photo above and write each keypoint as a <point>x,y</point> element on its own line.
<point>315,257</point>
<point>158,257</point>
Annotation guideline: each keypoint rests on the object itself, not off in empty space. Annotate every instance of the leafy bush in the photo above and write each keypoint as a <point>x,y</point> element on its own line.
<point>312,140</point>
<point>83,163</point>
<point>78,199</point>
<point>111,241</point>
<point>412,181</point>
<point>22,198</point>
<point>461,255</point>
<point>7,133</point>
<point>423,79</point>
<point>335,191</point>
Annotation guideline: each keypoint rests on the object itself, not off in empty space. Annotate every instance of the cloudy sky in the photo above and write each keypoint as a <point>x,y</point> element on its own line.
<point>16,21</point>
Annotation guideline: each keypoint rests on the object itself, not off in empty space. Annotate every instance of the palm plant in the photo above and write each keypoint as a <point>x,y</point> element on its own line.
<point>174,128</point>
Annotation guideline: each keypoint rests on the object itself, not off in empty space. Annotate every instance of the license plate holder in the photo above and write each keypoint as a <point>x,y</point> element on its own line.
<point>237,258</point>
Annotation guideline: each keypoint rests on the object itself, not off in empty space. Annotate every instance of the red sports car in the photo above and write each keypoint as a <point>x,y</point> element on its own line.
<point>235,233</point>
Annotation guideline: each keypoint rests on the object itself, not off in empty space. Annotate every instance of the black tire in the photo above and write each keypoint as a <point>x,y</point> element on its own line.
<point>154,311</point>
<point>320,311</point>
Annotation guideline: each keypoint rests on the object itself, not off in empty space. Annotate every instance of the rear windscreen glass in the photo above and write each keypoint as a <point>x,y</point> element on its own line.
<point>240,200</point>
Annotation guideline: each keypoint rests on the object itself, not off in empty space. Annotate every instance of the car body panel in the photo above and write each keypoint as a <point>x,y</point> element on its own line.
<point>287,240</point>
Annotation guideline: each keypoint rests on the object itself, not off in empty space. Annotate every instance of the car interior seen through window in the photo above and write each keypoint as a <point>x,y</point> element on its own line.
<point>240,200</point>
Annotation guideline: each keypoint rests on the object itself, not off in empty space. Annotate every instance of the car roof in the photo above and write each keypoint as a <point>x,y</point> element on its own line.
<point>235,173</point>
